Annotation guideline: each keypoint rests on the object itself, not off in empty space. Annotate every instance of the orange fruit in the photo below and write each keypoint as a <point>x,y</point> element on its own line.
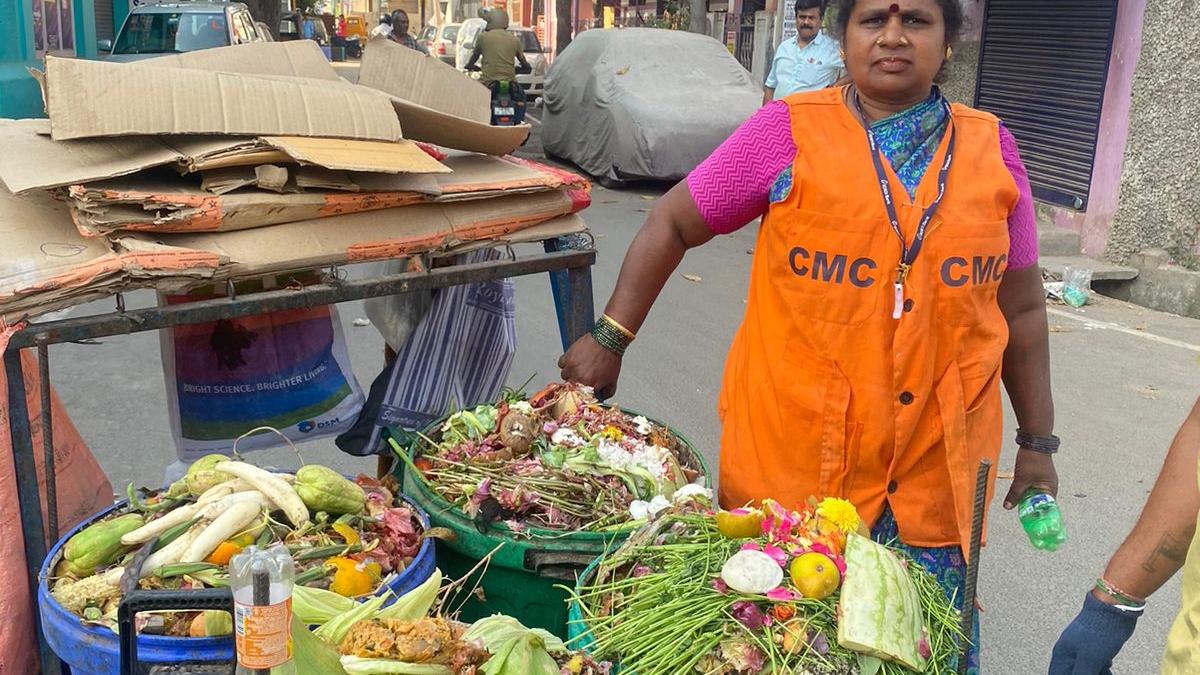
<point>740,523</point>
<point>815,575</point>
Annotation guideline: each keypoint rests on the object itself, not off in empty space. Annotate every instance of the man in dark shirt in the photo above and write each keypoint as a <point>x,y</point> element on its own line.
<point>400,32</point>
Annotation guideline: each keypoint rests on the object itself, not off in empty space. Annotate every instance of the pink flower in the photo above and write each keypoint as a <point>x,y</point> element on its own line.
<point>752,546</point>
<point>783,594</point>
<point>641,571</point>
<point>719,585</point>
<point>777,554</point>
<point>923,648</point>
<point>749,615</point>
<point>778,522</point>
<point>549,428</point>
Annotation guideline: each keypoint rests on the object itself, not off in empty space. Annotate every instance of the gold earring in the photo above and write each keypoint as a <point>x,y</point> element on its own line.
<point>949,53</point>
<point>879,41</point>
<point>903,41</point>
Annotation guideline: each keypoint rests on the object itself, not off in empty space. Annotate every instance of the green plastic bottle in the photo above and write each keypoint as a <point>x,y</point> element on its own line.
<point>1042,520</point>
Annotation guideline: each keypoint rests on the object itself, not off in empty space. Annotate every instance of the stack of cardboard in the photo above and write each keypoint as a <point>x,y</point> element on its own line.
<point>257,159</point>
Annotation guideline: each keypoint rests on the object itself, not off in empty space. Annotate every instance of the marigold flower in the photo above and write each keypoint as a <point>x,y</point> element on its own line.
<point>840,512</point>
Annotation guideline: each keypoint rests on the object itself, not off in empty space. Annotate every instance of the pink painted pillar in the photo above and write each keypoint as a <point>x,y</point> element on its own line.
<point>1094,225</point>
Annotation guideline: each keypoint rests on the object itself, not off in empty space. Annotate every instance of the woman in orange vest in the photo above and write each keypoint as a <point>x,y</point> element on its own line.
<point>895,273</point>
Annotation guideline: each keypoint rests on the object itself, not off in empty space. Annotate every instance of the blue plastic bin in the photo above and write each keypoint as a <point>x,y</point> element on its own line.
<point>92,650</point>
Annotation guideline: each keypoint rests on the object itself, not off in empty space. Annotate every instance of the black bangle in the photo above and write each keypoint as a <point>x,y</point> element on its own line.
<point>1046,445</point>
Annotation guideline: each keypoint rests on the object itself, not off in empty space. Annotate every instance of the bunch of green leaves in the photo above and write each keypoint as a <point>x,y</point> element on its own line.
<point>515,649</point>
<point>469,425</point>
<point>311,605</point>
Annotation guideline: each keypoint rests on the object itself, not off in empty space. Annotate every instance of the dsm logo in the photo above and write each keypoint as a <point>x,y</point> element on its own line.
<point>307,426</point>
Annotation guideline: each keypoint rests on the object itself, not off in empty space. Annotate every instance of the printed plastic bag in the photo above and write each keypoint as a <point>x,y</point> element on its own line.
<point>83,489</point>
<point>289,370</point>
<point>459,355</point>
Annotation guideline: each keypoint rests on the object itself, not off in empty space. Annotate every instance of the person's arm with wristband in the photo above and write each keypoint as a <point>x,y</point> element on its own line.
<point>1026,370</point>
<point>1152,553</point>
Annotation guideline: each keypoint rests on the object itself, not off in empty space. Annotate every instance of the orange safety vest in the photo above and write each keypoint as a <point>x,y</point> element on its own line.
<point>825,393</point>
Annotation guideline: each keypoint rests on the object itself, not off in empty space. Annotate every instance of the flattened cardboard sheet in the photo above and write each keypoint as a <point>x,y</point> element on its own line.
<point>436,103</point>
<point>30,160</point>
<point>93,98</point>
<point>559,227</point>
<point>103,208</point>
<point>408,74</point>
<point>295,58</point>
<point>425,124</point>
<point>155,204</point>
<point>362,237</point>
<point>350,155</point>
<point>48,266</point>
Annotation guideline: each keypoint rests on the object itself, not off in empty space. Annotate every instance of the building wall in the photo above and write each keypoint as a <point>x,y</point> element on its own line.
<point>1112,175</point>
<point>1105,195</point>
<point>959,83</point>
<point>1159,205</point>
<point>19,93</point>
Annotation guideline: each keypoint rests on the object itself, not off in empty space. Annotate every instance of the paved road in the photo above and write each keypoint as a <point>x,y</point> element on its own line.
<point>1123,379</point>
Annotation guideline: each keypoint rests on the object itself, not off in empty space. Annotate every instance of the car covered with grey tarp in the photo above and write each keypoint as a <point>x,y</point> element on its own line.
<point>644,103</point>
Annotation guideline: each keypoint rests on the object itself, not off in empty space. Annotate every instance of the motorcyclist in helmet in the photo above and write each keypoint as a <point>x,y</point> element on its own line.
<point>500,51</point>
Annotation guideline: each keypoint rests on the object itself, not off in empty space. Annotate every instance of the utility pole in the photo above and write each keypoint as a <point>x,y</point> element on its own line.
<point>564,24</point>
<point>698,11</point>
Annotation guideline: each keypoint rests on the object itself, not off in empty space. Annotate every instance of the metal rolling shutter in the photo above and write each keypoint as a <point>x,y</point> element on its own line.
<point>1043,67</point>
<point>104,20</point>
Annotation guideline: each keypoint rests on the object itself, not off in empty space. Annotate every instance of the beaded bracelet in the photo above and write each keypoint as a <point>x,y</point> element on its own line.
<point>1046,445</point>
<point>612,336</point>
<point>1127,601</point>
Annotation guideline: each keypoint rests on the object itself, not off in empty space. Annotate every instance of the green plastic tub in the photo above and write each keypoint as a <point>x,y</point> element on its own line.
<point>524,578</point>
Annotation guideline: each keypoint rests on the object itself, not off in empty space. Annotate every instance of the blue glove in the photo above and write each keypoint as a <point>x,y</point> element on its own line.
<point>1091,642</point>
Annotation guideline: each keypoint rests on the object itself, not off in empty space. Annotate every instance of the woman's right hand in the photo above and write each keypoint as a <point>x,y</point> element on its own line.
<point>586,362</point>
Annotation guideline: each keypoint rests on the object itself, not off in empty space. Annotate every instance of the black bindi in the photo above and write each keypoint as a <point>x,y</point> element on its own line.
<point>894,9</point>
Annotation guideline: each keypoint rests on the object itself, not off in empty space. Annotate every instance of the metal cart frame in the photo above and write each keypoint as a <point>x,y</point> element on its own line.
<point>571,285</point>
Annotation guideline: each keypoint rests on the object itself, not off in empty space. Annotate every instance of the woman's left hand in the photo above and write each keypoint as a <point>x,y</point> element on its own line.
<point>1033,470</point>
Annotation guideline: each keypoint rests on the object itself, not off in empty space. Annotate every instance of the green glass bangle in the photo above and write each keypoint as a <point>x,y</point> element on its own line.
<point>610,338</point>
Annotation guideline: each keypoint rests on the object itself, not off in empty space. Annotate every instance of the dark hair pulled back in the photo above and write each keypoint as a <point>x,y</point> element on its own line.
<point>952,15</point>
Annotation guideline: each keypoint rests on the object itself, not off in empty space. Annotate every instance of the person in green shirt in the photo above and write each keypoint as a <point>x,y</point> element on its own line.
<point>499,50</point>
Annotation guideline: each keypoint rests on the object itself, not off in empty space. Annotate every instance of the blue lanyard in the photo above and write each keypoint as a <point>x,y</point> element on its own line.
<point>908,252</point>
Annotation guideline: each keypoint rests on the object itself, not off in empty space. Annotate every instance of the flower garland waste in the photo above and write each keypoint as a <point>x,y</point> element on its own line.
<point>557,460</point>
<point>765,589</point>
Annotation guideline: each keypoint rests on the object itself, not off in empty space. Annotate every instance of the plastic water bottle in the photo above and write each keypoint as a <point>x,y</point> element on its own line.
<point>1042,520</point>
<point>261,581</point>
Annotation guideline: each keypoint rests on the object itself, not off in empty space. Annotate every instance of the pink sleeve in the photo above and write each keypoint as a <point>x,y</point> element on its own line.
<point>732,187</point>
<point>1022,223</point>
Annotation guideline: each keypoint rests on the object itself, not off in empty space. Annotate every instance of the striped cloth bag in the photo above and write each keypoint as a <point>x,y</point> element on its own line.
<point>458,356</point>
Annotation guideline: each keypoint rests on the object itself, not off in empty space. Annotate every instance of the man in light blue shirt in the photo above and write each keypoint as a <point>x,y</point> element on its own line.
<point>810,61</point>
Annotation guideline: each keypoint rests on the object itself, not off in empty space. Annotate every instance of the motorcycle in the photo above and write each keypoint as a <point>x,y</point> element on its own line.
<point>508,100</point>
<point>354,47</point>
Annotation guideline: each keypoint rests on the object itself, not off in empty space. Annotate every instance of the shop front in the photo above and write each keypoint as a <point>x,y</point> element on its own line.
<point>31,29</point>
